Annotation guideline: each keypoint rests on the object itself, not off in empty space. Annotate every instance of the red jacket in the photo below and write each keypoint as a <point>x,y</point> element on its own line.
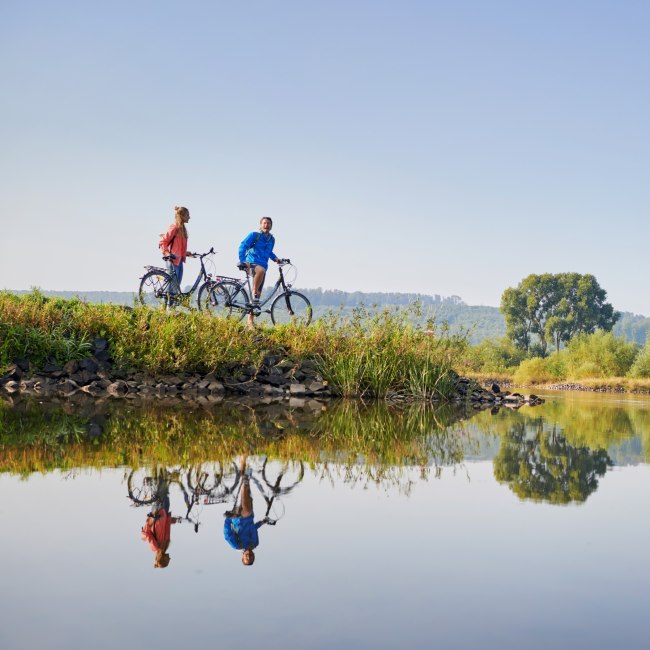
<point>175,243</point>
<point>157,531</point>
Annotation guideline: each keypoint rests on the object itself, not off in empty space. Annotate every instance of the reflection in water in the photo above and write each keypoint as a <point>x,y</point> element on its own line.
<point>543,465</point>
<point>157,528</point>
<point>556,452</point>
<point>209,485</point>
<point>469,541</point>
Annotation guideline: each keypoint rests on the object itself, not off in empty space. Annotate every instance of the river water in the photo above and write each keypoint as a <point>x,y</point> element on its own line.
<point>389,527</point>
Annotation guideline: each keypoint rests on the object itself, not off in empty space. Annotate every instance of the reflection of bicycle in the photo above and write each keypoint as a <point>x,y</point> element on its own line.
<point>160,288</point>
<point>147,488</point>
<point>273,487</point>
<point>230,298</point>
<point>214,483</point>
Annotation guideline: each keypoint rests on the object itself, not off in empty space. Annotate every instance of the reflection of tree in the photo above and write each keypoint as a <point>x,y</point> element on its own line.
<point>543,465</point>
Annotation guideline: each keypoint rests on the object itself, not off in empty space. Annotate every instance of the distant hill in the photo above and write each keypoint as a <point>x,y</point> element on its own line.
<point>480,322</point>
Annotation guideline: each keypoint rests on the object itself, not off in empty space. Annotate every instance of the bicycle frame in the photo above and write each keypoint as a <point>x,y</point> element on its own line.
<point>280,282</point>
<point>176,294</point>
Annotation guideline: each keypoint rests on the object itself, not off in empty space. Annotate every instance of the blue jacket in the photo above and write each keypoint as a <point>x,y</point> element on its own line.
<point>257,249</point>
<point>241,532</point>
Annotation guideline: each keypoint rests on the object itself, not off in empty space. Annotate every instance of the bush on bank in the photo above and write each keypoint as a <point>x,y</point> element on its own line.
<point>370,354</point>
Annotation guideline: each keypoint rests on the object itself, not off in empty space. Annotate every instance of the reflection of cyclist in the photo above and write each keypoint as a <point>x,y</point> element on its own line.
<point>239,528</point>
<point>255,250</point>
<point>157,528</point>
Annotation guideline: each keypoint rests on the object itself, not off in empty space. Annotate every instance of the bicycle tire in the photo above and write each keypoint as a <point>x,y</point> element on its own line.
<point>287,469</point>
<point>291,307</point>
<point>204,295</point>
<point>227,299</point>
<point>155,288</point>
<point>142,487</point>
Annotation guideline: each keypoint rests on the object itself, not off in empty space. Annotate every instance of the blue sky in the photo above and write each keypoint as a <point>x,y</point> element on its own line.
<point>437,147</point>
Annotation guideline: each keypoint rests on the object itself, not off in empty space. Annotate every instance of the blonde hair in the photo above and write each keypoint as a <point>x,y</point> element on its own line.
<point>181,212</point>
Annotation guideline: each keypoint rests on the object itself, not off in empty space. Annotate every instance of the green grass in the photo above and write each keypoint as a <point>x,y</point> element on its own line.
<point>372,354</point>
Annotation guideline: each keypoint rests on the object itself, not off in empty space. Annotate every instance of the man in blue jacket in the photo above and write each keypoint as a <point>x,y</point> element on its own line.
<point>255,251</point>
<point>240,528</point>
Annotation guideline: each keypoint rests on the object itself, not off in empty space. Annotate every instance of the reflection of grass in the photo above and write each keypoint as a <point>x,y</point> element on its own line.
<point>32,438</point>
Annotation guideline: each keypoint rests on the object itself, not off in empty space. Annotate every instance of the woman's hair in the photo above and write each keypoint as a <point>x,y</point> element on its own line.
<point>181,212</point>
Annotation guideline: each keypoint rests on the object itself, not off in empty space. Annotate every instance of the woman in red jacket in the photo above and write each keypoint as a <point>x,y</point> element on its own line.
<point>174,243</point>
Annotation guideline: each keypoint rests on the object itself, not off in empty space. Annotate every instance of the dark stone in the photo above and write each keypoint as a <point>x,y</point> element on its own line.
<point>99,344</point>
<point>273,380</point>
<point>23,364</point>
<point>12,386</point>
<point>102,356</point>
<point>51,368</point>
<point>13,372</point>
<point>67,387</point>
<point>83,377</point>
<point>495,388</point>
<point>95,388</point>
<point>117,388</point>
<point>89,365</point>
<point>95,430</point>
<point>71,367</point>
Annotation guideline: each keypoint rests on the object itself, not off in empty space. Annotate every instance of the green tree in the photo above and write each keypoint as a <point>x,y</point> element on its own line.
<point>553,308</point>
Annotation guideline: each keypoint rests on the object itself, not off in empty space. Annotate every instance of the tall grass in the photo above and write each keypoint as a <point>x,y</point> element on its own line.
<point>370,355</point>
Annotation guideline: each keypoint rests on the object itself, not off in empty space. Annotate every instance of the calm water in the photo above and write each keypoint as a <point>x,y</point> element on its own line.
<point>409,528</point>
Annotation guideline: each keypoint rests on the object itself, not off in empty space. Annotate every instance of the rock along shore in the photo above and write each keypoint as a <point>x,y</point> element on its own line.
<point>276,378</point>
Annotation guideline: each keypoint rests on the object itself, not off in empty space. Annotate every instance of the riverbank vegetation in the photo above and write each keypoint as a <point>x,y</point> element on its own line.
<point>593,360</point>
<point>559,330</point>
<point>367,354</point>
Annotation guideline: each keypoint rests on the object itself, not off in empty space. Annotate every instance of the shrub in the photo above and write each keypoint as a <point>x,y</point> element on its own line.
<point>599,355</point>
<point>641,366</point>
<point>492,356</point>
<point>533,371</point>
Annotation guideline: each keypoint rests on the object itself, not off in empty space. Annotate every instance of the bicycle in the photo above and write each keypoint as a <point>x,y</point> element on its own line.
<point>272,489</point>
<point>150,487</point>
<point>229,297</point>
<point>160,288</point>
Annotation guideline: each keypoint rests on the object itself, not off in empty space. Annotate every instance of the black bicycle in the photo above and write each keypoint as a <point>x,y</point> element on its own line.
<point>147,487</point>
<point>159,288</point>
<point>230,298</point>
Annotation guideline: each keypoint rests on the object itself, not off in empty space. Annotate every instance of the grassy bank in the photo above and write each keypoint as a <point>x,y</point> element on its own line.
<point>365,355</point>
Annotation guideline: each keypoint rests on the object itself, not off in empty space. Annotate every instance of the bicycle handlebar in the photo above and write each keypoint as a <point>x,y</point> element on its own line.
<point>171,256</point>
<point>242,266</point>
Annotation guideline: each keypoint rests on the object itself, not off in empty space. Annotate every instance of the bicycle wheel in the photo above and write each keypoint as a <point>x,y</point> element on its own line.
<point>203,297</point>
<point>291,307</point>
<point>289,473</point>
<point>142,487</point>
<point>227,298</point>
<point>155,288</point>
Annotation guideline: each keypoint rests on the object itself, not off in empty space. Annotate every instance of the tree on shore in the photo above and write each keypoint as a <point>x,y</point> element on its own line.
<point>552,308</point>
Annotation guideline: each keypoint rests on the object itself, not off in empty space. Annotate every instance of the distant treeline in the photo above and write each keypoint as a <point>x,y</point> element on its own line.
<point>480,322</point>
